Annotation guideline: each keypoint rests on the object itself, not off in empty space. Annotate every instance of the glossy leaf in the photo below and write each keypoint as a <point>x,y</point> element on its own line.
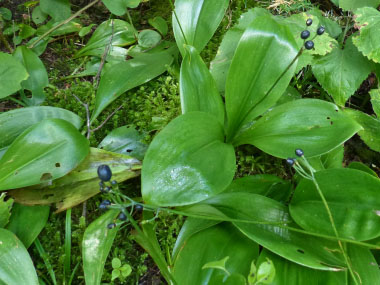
<point>307,250</point>
<point>252,86</point>
<point>127,75</point>
<point>16,266</point>
<point>364,264</point>
<point>148,38</point>
<point>375,101</point>
<point>315,126</point>
<point>370,133</point>
<point>13,123</point>
<point>199,20</point>
<point>289,95</point>
<point>38,77</point>
<point>353,199</point>
<point>123,34</point>
<point>85,30</point>
<point>288,272</point>
<point>214,243</point>
<point>125,140</point>
<point>58,9</point>
<point>341,72</point>
<point>44,152</point>
<point>220,65</point>
<point>351,5</point>
<point>13,73</point>
<point>5,210</point>
<point>362,167</point>
<point>116,7</point>
<point>27,222</point>
<point>198,90</point>
<point>81,183</point>
<point>71,27</point>
<point>96,244</point>
<point>367,21</point>
<point>159,24</point>
<point>175,171</point>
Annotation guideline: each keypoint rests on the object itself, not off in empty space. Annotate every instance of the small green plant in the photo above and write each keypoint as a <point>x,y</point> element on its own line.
<point>120,271</point>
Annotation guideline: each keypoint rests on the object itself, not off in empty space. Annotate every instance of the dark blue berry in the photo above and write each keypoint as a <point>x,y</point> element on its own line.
<point>321,30</point>
<point>305,34</point>
<point>104,172</point>
<point>299,152</point>
<point>309,45</point>
<point>122,217</point>
<point>104,205</point>
<point>111,226</point>
<point>309,22</point>
<point>139,208</point>
<point>290,161</point>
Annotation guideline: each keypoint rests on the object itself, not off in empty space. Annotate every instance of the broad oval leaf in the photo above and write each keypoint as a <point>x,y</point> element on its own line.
<point>199,20</point>
<point>159,24</point>
<point>27,222</point>
<point>149,38</point>
<point>256,80</point>
<point>256,216</point>
<point>16,266</point>
<point>198,90</point>
<point>96,244</point>
<point>212,244</point>
<point>81,183</point>
<point>59,10</point>
<point>13,123</point>
<point>116,7</point>
<point>126,75</point>
<point>364,264</point>
<point>354,200</point>
<point>342,71</point>
<point>315,126</point>
<point>368,21</point>
<point>187,162</point>
<point>13,73</point>
<point>44,152</point>
<point>38,78</point>
<point>351,5</point>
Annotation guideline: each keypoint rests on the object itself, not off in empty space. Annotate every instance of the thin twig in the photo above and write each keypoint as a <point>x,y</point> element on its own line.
<point>85,105</point>
<point>107,119</point>
<point>104,57</point>
<point>62,23</point>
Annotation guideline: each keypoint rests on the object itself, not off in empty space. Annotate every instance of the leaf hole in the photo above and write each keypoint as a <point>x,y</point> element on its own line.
<point>46,176</point>
<point>300,251</point>
<point>57,164</point>
<point>328,118</point>
<point>47,196</point>
<point>128,150</point>
<point>331,123</point>
<point>16,172</point>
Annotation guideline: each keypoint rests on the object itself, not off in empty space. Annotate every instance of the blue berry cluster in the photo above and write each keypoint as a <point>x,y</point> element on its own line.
<point>306,34</point>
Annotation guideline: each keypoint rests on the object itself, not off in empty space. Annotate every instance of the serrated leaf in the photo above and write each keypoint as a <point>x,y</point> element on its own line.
<point>351,5</point>
<point>367,20</point>
<point>341,72</point>
<point>375,101</point>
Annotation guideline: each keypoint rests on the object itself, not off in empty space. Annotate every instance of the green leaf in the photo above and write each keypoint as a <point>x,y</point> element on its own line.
<point>341,72</point>
<point>59,10</point>
<point>213,243</point>
<point>315,126</point>
<point>96,244</point>
<point>126,270</point>
<point>81,183</point>
<point>26,31</point>
<point>266,272</point>
<point>375,101</point>
<point>252,274</point>
<point>38,16</point>
<point>13,123</point>
<point>148,38</point>
<point>370,133</point>
<point>252,86</point>
<point>5,210</point>
<point>307,250</point>
<point>351,5</point>
<point>38,78</point>
<point>116,263</point>
<point>44,152</point>
<point>356,213</point>
<point>85,30</point>
<point>5,13</point>
<point>70,27</point>
<point>199,20</point>
<point>116,7</point>
<point>27,222</point>
<point>289,95</point>
<point>16,266</point>
<point>13,73</point>
<point>175,171</point>
<point>287,272</point>
<point>362,167</point>
<point>197,87</point>
<point>115,274</point>
<point>219,264</point>
<point>332,27</point>
<point>159,24</point>
<point>40,47</point>
<point>125,140</point>
<point>123,35</point>
<point>220,65</point>
<point>127,75</point>
<point>364,265</point>
<point>367,20</point>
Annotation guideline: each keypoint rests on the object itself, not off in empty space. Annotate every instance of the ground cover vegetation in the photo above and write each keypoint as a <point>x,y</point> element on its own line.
<point>189,142</point>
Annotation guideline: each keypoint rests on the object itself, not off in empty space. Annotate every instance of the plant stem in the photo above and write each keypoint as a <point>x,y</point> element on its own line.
<point>345,31</point>
<point>5,42</point>
<point>179,24</point>
<point>67,260</point>
<point>63,23</point>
